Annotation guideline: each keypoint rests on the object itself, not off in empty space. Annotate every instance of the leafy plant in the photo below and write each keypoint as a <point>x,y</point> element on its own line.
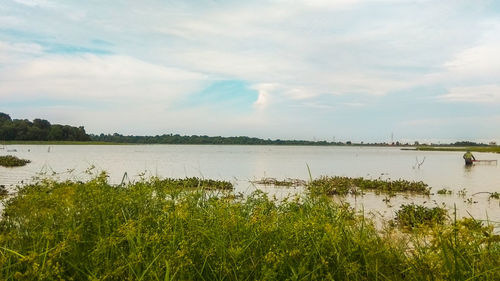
<point>412,215</point>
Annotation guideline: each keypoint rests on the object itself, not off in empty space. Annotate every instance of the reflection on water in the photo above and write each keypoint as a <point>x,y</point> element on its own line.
<point>240,164</point>
<point>468,170</point>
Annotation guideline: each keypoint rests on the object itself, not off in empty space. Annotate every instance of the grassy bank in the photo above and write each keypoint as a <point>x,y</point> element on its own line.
<point>492,149</point>
<point>188,230</point>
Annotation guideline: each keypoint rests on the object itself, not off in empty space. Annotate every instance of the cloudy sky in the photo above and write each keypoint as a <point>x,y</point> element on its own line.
<point>334,70</point>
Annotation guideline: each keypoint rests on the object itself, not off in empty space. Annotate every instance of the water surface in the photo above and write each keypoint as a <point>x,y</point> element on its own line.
<point>240,164</point>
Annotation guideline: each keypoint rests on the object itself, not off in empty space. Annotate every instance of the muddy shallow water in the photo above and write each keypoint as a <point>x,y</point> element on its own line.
<point>240,164</point>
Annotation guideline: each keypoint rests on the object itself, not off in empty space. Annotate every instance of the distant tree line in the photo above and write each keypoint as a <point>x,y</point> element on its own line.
<point>468,143</point>
<point>194,139</point>
<point>38,130</point>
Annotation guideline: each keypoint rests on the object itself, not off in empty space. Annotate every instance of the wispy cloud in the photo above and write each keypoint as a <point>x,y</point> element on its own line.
<point>106,78</point>
<point>478,94</point>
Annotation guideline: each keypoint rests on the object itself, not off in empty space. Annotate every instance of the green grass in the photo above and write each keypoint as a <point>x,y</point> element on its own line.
<point>12,161</point>
<point>493,149</point>
<point>346,185</point>
<point>165,230</point>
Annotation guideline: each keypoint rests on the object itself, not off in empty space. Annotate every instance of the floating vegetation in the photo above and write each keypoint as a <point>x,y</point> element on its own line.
<point>494,195</point>
<point>160,230</point>
<point>462,192</point>
<point>194,182</point>
<point>444,191</point>
<point>12,161</point>
<point>286,182</point>
<point>412,215</point>
<point>346,185</point>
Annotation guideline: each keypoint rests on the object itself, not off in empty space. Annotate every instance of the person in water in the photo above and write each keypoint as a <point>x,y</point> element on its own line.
<point>469,158</point>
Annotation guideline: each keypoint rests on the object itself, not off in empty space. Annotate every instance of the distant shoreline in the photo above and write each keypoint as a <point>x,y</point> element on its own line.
<point>490,149</point>
<point>12,142</point>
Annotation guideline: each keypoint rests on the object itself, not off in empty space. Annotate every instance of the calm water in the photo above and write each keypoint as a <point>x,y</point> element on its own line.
<point>239,164</point>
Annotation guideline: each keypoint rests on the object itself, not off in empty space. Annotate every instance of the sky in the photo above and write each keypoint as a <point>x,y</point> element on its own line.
<point>338,70</point>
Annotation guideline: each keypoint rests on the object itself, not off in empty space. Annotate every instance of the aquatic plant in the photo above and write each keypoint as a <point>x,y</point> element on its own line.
<point>495,195</point>
<point>444,191</point>
<point>412,215</point>
<point>158,230</point>
<point>346,185</point>
<point>194,182</point>
<point>286,182</point>
<point>12,161</point>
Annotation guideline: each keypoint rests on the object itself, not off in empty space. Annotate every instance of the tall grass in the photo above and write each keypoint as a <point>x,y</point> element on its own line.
<point>156,230</point>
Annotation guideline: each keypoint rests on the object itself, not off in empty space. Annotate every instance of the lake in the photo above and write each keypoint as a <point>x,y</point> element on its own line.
<point>241,164</point>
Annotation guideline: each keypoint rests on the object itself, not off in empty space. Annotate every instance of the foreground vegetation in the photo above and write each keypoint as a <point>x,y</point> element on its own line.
<point>12,161</point>
<point>186,230</point>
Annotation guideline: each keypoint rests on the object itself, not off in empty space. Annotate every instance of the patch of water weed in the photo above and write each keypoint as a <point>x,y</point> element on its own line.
<point>154,230</point>
<point>444,191</point>
<point>412,215</point>
<point>346,185</point>
<point>494,195</point>
<point>288,182</point>
<point>462,192</point>
<point>12,161</point>
<point>194,182</point>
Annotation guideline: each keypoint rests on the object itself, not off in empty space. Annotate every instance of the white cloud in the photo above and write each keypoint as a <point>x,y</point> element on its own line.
<point>476,94</point>
<point>264,91</point>
<point>89,77</point>
<point>12,54</point>
<point>481,60</point>
<point>36,3</point>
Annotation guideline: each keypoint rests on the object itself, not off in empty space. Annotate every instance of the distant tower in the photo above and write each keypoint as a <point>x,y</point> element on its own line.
<point>392,137</point>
